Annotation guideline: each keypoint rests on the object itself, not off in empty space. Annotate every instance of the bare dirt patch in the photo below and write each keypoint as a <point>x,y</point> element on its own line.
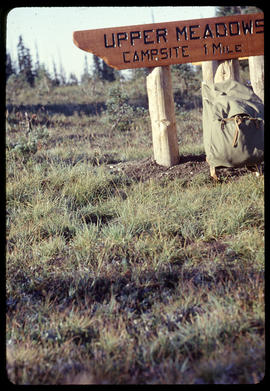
<point>187,169</point>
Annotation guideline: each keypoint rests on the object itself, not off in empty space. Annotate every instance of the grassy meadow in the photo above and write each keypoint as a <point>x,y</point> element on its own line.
<point>115,280</point>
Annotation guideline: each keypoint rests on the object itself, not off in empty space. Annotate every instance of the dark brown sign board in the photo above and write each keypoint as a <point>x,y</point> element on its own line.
<point>160,44</point>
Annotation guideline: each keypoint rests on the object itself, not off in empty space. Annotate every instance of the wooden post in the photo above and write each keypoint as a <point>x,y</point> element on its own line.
<point>208,71</point>
<point>162,114</point>
<point>227,69</point>
<point>128,47</point>
<point>256,72</point>
<point>217,71</point>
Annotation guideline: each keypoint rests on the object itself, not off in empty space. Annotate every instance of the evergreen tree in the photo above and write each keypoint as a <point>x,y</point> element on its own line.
<point>55,80</point>
<point>228,10</point>
<point>137,73</point>
<point>85,76</point>
<point>37,63</point>
<point>9,66</point>
<point>30,76</point>
<point>187,76</point>
<point>62,75</point>
<point>102,71</point>
<point>25,63</point>
<point>42,77</point>
<point>21,54</point>
<point>249,9</point>
<point>97,69</point>
<point>236,9</point>
<point>73,81</point>
<point>108,72</point>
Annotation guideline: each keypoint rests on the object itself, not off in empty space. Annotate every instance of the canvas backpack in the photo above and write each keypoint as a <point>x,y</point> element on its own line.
<point>233,124</point>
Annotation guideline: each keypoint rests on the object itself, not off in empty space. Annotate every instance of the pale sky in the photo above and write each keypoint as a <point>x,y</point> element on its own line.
<point>51,28</point>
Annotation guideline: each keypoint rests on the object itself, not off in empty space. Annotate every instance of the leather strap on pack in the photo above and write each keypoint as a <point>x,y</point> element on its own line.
<point>238,119</point>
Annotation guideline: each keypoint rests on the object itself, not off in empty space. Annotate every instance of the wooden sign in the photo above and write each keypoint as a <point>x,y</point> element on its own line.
<point>161,44</point>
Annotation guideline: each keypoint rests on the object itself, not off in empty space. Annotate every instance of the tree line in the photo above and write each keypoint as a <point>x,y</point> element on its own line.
<point>31,72</point>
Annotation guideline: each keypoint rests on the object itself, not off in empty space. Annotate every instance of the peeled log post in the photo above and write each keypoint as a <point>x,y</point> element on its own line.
<point>208,71</point>
<point>256,72</point>
<point>162,114</point>
<point>217,71</point>
<point>227,69</point>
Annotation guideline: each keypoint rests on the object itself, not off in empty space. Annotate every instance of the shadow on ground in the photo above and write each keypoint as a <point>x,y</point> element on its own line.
<point>67,109</point>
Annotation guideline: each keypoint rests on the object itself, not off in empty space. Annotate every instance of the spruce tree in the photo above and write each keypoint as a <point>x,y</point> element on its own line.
<point>9,66</point>
<point>25,62</point>
<point>37,63</point>
<point>236,9</point>
<point>56,80</point>
<point>137,73</point>
<point>73,81</point>
<point>228,10</point>
<point>62,75</point>
<point>30,77</point>
<point>97,69</point>
<point>107,72</point>
<point>85,76</point>
<point>21,54</point>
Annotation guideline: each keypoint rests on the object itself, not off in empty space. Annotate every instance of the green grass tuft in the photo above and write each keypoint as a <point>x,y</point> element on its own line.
<point>113,280</point>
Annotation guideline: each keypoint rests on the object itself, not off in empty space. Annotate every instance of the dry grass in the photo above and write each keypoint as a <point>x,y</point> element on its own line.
<point>116,281</point>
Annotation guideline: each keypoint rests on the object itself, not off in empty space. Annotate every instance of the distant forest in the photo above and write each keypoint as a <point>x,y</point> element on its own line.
<point>30,72</point>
